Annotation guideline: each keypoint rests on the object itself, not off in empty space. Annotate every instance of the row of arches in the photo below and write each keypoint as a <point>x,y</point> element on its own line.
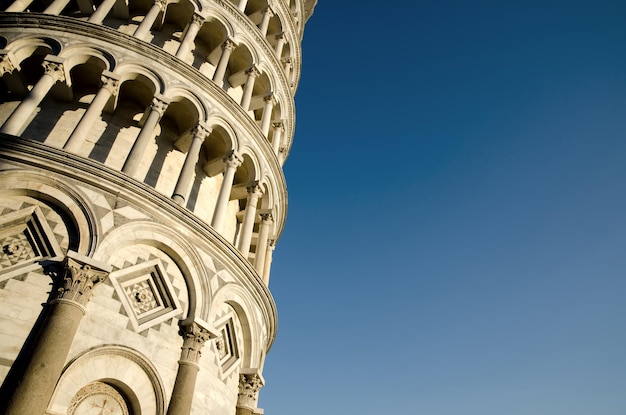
<point>126,116</point>
<point>193,33</point>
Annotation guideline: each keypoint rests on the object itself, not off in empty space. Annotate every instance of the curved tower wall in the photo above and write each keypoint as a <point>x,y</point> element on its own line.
<point>142,197</point>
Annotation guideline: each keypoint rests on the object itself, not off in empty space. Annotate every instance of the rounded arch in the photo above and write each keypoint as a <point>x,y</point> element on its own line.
<point>64,197</point>
<point>191,100</point>
<point>248,172</point>
<point>167,240</point>
<point>131,71</point>
<point>78,54</point>
<point>126,369</point>
<point>239,300</point>
<point>24,47</point>
<point>231,139</point>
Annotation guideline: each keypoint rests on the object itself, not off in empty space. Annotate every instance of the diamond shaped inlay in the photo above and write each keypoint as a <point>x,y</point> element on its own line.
<point>146,294</point>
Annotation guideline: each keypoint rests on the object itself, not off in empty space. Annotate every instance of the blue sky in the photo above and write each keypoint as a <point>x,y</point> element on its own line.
<point>456,236</point>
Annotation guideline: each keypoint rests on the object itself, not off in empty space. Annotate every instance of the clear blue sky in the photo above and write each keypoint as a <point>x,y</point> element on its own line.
<point>456,237</point>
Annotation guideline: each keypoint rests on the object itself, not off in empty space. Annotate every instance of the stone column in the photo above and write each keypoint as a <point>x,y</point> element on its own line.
<point>19,5</point>
<point>157,109</point>
<point>54,72</point>
<point>232,162</point>
<point>194,337</point>
<point>280,44</point>
<point>148,21</point>
<point>254,192</point>
<point>278,135</point>
<point>261,247</point>
<point>252,73</point>
<point>186,174</point>
<point>56,7</point>
<point>107,89</point>
<point>250,382</point>
<point>101,12</point>
<point>267,15</point>
<point>34,390</point>
<point>268,262</point>
<point>242,5</point>
<point>266,118</point>
<point>227,48</point>
<point>288,67</point>
<point>282,154</point>
<point>190,35</point>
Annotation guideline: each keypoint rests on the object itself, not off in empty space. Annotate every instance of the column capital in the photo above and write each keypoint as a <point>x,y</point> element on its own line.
<point>268,11</point>
<point>197,19</point>
<point>229,44</point>
<point>6,66</point>
<point>159,105</point>
<point>280,36</point>
<point>194,336</point>
<point>266,217</point>
<point>269,98</point>
<point>201,131</point>
<point>109,82</point>
<point>278,125</point>
<point>80,276</point>
<point>253,72</point>
<point>254,189</point>
<point>250,383</point>
<point>161,3</point>
<point>54,69</point>
<point>233,160</point>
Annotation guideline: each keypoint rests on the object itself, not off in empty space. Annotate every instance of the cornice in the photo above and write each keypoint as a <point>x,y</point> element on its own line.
<point>98,175</point>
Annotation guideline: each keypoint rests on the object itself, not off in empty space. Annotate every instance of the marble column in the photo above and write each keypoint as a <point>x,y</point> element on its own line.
<point>250,383</point>
<point>242,5</point>
<point>227,48</point>
<point>254,192</point>
<point>280,44</point>
<point>181,190</point>
<point>232,162</point>
<point>268,262</point>
<point>19,5</point>
<point>56,7</point>
<point>190,35</point>
<point>108,88</point>
<point>252,73</point>
<point>194,337</point>
<point>266,118</point>
<point>277,137</point>
<point>148,21</point>
<point>261,247</point>
<point>101,12</point>
<point>54,72</point>
<point>267,15</point>
<point>157,109</point>
<point>33,391</point>
<point>288,67</point>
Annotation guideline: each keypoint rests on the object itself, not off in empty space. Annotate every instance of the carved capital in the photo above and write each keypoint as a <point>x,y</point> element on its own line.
<point>266,217</point>
<point>268,11</point>
<point>200,132</point>
<point>278,126</point>
<point>79,279</point>
<point>54,69</point>
<point>6,66</point>
<point>161,3</point>
<point>196,19</point>
<point>233,160</point>
<point>159,106</point>
<point>254,190</point>
<point>229,45</point>
<point>109,83</point>
<point>269,99</point>
<point>280,36</point>
<point>194,337</point>
<point>249,386</point>
<point>253,72</point>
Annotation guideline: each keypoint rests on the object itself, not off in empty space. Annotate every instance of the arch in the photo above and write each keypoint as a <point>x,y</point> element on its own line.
<point>126,369</point>
<point>232,143</point>
<point>135,71</point>
<point>181,94</point>
<point>69,200</point>
<point>78,54</point>
<point>173,245</point>
<point>24,47</point>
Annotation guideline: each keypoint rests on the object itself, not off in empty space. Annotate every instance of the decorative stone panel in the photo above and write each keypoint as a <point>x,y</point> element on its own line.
<point>25,239</point>
<point>146,294</point>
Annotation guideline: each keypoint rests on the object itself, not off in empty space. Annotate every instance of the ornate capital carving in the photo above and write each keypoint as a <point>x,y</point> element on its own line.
<point>161,3</point>
<point>229,44</point>
<point>249,386</point>
<point>266,217</point>
<point>54,69</point>
<point>194,337</point>
<point>79,279</point>
<point>196,19</point>
<point>253,72</point>
<point>254,190</point>
<point>159,106</point>
<point>233,160</point>
<point>109,83</point>
<point>269,99</point>
<point>278,126</point>
<point>200,132</point>
<point>268,11</point>
<point>6,66</point>
<point>280,36</point>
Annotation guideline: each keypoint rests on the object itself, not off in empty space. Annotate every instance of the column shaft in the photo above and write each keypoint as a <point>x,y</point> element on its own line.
<point>186,174</point>
<point>136,153</point>
<point>232,162</point>
<point>249,218</point>
<point>268,263</point>
<point>242,5</point>
<point>101,12</point>
<point>56,7</point>
<point>148,21</point>
<point>267,15</point>
<point>220,71</point>
<point>19,5</point>
<point>108,88</point>
<point>266,118</point>
<point>18,119</point>
<point>261,247</point>
<point>278,133</point>
<point>248,88</point>
<point>182,395</point>
<point>190,35</point>
<point>280,44</point>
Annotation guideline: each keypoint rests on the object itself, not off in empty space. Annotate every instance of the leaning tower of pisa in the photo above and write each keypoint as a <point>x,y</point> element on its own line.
<point>141,198</point>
